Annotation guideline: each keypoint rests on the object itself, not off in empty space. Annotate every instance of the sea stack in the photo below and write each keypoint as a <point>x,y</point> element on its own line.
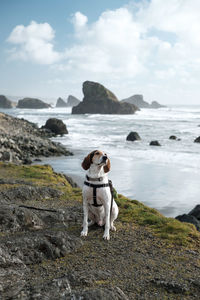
<point>99,100</point>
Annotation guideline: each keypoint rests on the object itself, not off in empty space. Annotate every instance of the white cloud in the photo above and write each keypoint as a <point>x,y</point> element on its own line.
<point>34,43</point>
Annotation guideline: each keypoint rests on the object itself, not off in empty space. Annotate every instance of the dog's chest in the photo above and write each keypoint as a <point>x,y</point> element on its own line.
<point>101,195</point>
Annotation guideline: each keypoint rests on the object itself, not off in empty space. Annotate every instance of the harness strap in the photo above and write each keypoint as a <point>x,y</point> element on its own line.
<point>95,187</point>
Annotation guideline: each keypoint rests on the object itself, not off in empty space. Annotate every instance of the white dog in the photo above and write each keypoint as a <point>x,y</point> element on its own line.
<point>98,203</point>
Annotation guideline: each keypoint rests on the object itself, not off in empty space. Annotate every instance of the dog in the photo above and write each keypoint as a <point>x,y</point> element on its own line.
<point>98,204</point>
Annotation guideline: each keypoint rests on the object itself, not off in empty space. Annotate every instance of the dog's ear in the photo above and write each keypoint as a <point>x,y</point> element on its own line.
<point>88,160</point>
<point>107,166</point>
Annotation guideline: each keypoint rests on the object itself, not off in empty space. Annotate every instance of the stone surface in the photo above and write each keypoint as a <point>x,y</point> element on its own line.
<point>195,212</point>
<point>61,103</point>
<point>32,103</point>
<point>99,100</point>
<point>155,104</point>
<point>5,102</point>
<point>133,136</point>
<point>154,143</point>
<point>56,126</point>
<point>173,137</point>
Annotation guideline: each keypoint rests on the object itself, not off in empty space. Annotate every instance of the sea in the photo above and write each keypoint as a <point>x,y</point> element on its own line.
<point>166,178</point>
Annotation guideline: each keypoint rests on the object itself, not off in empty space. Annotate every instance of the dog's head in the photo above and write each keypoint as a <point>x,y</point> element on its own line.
<point>98,158</point>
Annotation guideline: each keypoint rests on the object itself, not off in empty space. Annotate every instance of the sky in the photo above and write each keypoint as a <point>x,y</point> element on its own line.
<point>49,48</point>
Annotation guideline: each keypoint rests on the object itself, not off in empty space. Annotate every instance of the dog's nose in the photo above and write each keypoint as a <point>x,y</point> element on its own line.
<point>104,157</point>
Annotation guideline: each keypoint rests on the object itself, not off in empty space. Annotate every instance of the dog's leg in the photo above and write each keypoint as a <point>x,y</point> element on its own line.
<point>91,217</point>
<point>106,235</point>
<point>84,232</point>
<point>114,215</point>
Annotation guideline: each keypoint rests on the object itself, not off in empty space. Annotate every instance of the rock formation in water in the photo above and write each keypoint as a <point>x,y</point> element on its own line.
<point>5,102</point>
<point>32,103</point>
<point>72,101</point>
<point>61,103</point>
<point>56,126</point>
<point>133,136</point>
<point>139,102</point>
<point>99,100</point>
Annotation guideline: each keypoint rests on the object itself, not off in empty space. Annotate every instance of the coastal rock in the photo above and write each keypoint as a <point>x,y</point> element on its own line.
<point>99,100</point>
<point>61,103</point>
<point>133,136</point>
<point>154,143</point>
<point>5,102</point>
<point>56,126</point>
<point>189,219</point>
<point>155,104</point>
<point>32,103</point>
<point>195,212</point>
<point>137,100</point>
<point>140,103</point>
<point>72,101</point>
<point>197,140</point>
<point>173,137</point>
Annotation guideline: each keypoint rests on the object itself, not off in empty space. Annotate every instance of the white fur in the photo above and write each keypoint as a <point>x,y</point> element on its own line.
<point>101,214</point>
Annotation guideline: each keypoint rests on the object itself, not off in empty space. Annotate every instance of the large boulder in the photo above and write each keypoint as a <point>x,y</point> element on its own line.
<point>99,100</point>
<point>61,103</point>
<point>154,143</point>
<point>5,102</point>
<point>189,219</point>
<point>133,136</point>
<point>195,212</point>
<point>72,101</point>
<point>32,103</point>
<point>56,126</point>
<point>136,100</point>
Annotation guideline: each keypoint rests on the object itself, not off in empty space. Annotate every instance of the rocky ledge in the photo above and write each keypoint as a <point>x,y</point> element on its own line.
<point>99,100</point>
<point>43,257</point>
<point>21,141</point>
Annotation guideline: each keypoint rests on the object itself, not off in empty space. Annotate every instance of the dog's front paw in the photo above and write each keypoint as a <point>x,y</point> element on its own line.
<point>113,228</point>
<point>84,233</point>
<point>106,236</point>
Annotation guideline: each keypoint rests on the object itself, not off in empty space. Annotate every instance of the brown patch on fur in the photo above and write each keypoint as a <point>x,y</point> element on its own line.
<point>107,166</point>
<point>88,160</point>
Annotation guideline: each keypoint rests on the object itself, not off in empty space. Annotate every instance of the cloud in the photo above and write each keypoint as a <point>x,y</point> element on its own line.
<point>34,43</point>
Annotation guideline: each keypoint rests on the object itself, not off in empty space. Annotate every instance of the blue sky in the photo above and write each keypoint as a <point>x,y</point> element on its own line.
<point>48,48</point>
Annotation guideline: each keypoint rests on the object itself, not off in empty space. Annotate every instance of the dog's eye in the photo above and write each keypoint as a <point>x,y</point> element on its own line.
<point>97,153</point>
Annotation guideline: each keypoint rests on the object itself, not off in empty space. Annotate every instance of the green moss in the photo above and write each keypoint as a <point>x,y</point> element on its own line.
<point>132,211</point>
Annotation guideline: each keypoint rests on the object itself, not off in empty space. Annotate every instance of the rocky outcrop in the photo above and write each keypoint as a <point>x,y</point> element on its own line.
<point>197,140</point>
<point>99,100</point>
<point>72,101</point>
<point>61,103</point>
<point>154,143</point>
<point>32,103</point>
<point>192,217</point>
<point>139,102</point>
<point>5,102</point>
<point>133,136</point>
<point>56,126</point>
<point>173,137</point>
<point>21,141</point>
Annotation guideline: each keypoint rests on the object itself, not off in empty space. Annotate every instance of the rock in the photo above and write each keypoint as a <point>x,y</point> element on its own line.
<point>5,102</point>
<point>197,140</point>
<point>99,100</point>
<point>155,104</point>
<point>195,212</point>
<point>72,101</point>
<point>140,103</point>
<point>189,219</point>
<point>32,103</point>
<point>61,103</point>
<point>112,293</point>
<point>154,143</point>
<point>173,137</point>
<point>56,126</point>
<point>133,136</point>
<point>6,156</point>
<point>71,181</point>
<point>137,100</point>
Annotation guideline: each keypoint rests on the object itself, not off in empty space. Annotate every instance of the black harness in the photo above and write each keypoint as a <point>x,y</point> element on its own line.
<point>96,186</point>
